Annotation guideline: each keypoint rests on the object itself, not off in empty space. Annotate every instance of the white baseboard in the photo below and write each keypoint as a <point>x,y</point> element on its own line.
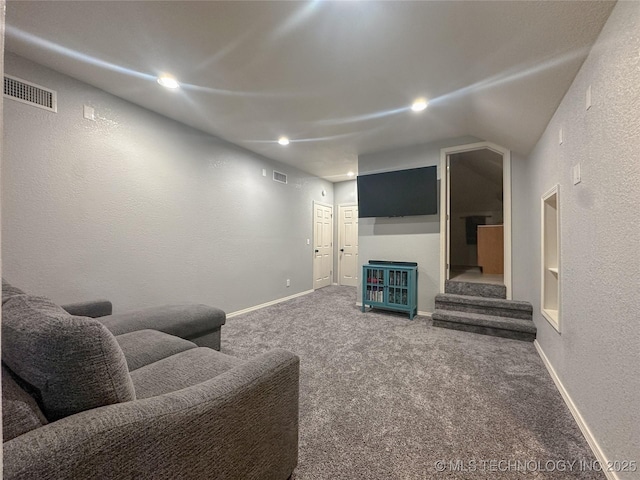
<point>272,302</point>
<point>593,443</point>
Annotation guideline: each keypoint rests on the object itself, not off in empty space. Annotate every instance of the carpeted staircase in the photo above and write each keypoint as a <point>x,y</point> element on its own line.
<point>483,308</point>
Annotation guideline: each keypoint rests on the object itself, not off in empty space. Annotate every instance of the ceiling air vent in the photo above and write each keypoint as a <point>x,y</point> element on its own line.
<point>279,177</point>
<point>30,93</point>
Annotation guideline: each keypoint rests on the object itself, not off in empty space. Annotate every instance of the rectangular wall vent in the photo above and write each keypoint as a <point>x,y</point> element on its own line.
<point>279,177</point>
<point>30,93</point>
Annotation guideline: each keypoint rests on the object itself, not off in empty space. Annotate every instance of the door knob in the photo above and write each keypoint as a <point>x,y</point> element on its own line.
<point>317,251</point>
<point>342,249</point>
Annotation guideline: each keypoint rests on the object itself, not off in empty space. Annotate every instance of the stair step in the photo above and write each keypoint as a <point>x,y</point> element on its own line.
<point>475,289</point>
<point>514,328</point>
<point>485,305</point>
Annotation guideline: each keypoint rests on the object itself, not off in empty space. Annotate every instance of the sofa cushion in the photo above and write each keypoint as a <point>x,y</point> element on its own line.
<point>181,371</point>
<point>71,363</point>
<point>147,346</point>
<point>20,412</point>
<point>9,291</point>
<point>188,321</point>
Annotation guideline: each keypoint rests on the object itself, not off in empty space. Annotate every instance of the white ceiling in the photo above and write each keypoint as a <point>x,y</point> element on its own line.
<point>337,78</point>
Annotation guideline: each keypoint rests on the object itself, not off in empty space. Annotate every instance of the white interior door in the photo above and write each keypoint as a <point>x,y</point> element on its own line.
<point>348,245</point>
<point>322,244</point>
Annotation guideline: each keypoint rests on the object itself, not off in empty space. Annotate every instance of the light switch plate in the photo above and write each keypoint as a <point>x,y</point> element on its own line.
<point>577,176</point>
<point>88,112</point>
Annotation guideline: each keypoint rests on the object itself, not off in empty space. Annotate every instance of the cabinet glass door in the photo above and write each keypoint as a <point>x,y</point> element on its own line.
<point>374,286</point>
<point>398,287</point>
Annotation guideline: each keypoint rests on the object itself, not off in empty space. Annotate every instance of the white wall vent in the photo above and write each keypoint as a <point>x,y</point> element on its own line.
<point>30,93</point>
<point>279,177</point>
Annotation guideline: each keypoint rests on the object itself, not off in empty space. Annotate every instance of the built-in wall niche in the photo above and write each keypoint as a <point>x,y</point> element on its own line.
<point>550,292</point>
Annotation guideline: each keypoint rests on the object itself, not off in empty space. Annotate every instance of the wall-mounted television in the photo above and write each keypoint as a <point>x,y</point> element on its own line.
<point>398,194</point>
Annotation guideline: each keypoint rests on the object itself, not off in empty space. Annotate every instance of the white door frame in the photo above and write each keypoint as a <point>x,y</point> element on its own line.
<point>313,253</point>
<point>340,232</point>
<point>445,206</point>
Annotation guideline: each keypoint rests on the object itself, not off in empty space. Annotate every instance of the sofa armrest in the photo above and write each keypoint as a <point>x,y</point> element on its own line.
<point>241,424</point>
<point>91,308</point>
<point>186,321</point>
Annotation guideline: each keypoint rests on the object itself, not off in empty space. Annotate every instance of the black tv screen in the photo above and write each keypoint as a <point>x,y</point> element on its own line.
<point>398,194</point>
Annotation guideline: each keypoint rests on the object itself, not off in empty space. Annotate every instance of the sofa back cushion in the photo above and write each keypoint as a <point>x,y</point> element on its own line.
<point>20,412</point>
<point>9,291</point>
<point>70,364</point>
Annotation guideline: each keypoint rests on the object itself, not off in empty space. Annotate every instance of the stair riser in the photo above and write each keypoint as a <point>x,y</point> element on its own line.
<point>499,312</point>
<point>475,289</point>
<point>485,321</point>
<point>494,332</point>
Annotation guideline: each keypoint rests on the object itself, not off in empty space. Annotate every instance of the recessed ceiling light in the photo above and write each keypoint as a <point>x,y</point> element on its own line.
<point>419,105</point>
<point>283,141</point>
<point>350,174</point>
<point>168,81</point>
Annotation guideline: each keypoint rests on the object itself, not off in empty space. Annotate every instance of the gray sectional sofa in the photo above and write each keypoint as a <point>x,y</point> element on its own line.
<point>136,396</point>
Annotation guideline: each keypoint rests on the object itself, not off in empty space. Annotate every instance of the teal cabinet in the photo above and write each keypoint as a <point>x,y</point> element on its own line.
<point>390,286</point>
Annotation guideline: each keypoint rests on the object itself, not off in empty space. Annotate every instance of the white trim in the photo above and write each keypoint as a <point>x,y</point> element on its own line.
<point>552,318</point>
<point>268,304</point>
<point>506,206</point>
<point>444,208</point>
<point>506,211</point>
<point>586,432</point>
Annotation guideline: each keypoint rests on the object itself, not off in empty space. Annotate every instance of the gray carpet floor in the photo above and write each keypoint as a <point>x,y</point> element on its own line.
<point>383,397</point>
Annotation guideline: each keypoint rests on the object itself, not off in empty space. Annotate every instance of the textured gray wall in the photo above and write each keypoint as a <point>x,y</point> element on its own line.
<point>597,353</point>
<point>345,192</point>
<point>143,210</point>
<point>407,239</point>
